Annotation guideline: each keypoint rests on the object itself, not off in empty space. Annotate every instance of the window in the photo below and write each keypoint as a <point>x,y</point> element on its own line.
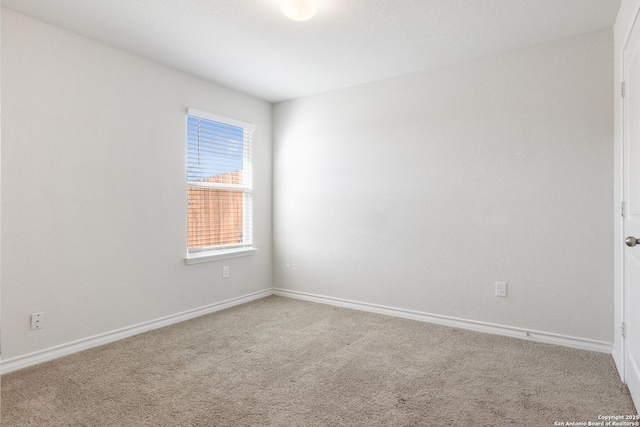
<point>219,187</point>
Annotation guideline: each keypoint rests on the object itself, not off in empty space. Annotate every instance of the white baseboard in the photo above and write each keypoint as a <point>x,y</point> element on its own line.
<point>23,361</point>
<point>45,355</point>
<point>531,335</point>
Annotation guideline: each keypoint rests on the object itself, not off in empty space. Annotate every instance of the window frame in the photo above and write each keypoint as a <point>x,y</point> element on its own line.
<point>211,253</point>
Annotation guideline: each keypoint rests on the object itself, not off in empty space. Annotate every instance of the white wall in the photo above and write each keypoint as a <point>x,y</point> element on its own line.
<point>419,192</point>
<point>94,192</point>
<point>0,184</point>
<point>624,22</point>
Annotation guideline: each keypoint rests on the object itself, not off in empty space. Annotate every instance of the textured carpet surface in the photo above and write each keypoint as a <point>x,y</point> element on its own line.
<point>282,362</point>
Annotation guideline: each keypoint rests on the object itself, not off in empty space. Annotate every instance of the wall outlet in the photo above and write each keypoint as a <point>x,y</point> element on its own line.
<point>37,320</point>
<point>501,289</point>
<point>225,272</point>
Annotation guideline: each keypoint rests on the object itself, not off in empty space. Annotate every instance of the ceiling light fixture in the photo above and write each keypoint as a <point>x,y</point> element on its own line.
<point>299,10</point>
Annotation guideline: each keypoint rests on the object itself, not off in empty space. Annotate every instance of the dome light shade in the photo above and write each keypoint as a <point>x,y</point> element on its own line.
<point>299,10</point>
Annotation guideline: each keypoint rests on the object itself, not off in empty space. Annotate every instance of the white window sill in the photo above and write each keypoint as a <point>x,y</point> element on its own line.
<point>200,257</point>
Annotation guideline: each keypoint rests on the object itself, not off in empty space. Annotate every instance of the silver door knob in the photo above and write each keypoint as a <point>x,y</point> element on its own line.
<point>631,241</point>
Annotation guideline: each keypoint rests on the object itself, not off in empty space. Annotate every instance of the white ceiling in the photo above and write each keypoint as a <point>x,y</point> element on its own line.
<point>250,46</point>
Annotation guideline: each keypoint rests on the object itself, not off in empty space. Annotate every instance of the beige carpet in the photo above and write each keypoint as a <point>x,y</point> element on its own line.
<point>282,362</point>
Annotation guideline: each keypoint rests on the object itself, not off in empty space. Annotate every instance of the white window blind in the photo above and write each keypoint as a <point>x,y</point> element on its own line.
<point>219,183</point>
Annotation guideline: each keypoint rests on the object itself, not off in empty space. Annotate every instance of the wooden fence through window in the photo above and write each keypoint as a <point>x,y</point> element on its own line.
<point>215,215</point>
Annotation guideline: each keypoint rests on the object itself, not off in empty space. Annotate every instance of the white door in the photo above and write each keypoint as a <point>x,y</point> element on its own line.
<point>631,130</point>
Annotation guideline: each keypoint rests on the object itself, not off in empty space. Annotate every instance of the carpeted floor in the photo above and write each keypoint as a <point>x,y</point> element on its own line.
<point>283,362</point>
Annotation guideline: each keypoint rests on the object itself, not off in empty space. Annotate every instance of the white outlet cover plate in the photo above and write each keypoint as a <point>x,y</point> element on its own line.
<point>501,289</point>
<point>37,320</point>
